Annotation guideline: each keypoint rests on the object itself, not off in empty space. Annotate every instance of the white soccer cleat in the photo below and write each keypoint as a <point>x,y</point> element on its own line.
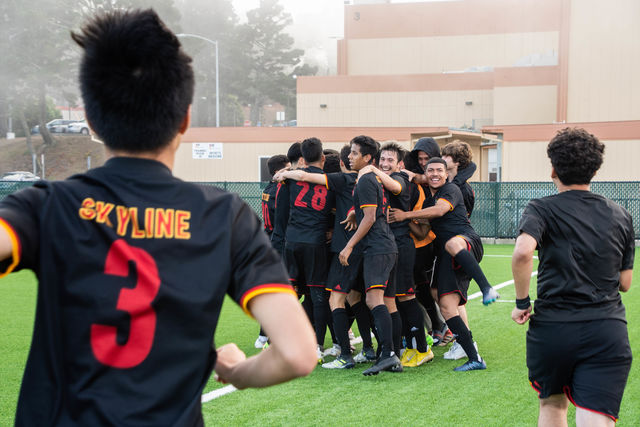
<point>457,352</point>
<point>334,351</point>
<point>261,341</point>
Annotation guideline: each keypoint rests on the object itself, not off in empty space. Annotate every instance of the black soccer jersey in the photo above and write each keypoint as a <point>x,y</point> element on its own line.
<point>584,241</point>
<point>269,206</point>
<point>342,185</point>
<point>281,218</point>
<point>368,192</point>
<point>133,267</point>
<point>455,221</point>
<point>310,207</point>
<point>401,201</point>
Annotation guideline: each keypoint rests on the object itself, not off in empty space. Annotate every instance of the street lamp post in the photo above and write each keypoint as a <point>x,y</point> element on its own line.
<point>215,42</point>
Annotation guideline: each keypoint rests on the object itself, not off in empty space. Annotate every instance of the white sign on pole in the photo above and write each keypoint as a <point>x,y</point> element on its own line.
<point>207,150</point>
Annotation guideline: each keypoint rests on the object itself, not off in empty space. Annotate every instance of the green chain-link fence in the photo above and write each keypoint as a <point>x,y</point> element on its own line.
<point>497,209</point>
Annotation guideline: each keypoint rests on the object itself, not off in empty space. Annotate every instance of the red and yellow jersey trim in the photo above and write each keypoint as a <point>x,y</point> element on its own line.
<point>368,206</point>
<point>450,205</point>
<point>15,247</point>
<point>326,181</point>
<point>267,288</point>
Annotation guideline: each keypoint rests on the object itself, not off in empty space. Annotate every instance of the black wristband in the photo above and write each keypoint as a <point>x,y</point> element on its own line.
<point>524,303</point>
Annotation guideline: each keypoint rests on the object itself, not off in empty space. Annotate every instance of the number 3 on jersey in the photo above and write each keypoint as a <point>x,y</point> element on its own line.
<point>136,302</point>
<point>318,200</point>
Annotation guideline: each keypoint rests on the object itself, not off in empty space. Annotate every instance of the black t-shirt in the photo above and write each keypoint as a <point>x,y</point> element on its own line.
<point>133,266</point>
<point>342,185</point>
<point>401,201</point>
<point>269,206</point>
<point>281,216</point>
<point>368,192</point>
<point>584,241</point>
<point>455,221</point>
<point>310,207</point>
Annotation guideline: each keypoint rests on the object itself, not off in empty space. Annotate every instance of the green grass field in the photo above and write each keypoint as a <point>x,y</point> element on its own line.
<point>431,394</point>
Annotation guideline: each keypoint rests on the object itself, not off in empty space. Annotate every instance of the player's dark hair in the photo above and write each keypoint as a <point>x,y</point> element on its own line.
<point>576,155</point>
<point>394,147</point>
<point>136,82</point>
<point>277,162</point>
<point>437,160</point>
<point>294,152</point>
<point>331,163</point>
<point>328,151</point>
<point>460,153</point>
<point>344,156</point>
<point>311,150</point>
<point>367,145</point>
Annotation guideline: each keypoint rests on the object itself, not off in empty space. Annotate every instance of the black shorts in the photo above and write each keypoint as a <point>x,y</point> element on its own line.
<point>403,279</point>
<point>342,278</point>
<point>460,285</point>
<point>423,267</point>
<point>376,271</point>
<point>306,263</point>
<point>588,361</point>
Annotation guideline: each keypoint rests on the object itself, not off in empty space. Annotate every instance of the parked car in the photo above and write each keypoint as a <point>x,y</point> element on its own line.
<point>19,176</point>
<point>55,126</point>
<point>79,127</point>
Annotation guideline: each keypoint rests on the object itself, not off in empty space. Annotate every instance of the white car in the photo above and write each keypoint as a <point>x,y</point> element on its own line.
<point>19,176</point>
<point>78,127</point>
<point>55,126</point>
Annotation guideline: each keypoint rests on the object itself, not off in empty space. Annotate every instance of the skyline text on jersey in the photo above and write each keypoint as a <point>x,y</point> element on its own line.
<point>158,223</point>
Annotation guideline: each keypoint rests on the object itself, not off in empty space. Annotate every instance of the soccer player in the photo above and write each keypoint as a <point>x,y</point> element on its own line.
<point>133,264</point>
<point>397,183</point>
<point>457,245</point>
<point>379,249</point>
<point>305,254</point>
<point>275,163</point>
<point>344,281</point>
<point>577,343</point>
<point>460,168</point>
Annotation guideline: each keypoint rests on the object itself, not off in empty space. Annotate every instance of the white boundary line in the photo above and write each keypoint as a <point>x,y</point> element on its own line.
<point>503,256</point>
<point>500,286</point>
<point>217,393</point>
<point>207,397</point>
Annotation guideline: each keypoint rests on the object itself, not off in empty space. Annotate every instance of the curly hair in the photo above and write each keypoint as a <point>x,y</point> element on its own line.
<point>575,155</point>
<point>459,151</point>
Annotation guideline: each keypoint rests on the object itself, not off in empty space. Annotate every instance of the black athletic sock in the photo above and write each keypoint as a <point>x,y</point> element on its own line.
<point>382,320</point>
<point>334,337</point>
<point>406,329</point>
<point>320,313</point>
<point>425,298</point>
<point>472,268</point>
<point>458,327</point>
<point>361,311</point>
<point>416,323</point>
<point>262,332</point>
<point>341,327</point>
<point>307,305</point>
<point>396,331</point>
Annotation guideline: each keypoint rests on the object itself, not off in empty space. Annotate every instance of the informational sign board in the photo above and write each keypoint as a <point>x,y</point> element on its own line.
<point>207,150</point>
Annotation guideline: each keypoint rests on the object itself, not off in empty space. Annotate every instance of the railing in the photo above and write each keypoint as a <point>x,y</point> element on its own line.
<point>497,210</point>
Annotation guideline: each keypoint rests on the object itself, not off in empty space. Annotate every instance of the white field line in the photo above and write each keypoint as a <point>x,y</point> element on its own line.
<point>503,256</point>
<point>207,397</point>
<point>499,286</point>
<point>217,393</point>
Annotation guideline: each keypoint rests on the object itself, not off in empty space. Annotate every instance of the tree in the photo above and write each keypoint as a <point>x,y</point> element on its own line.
<point>271,56</point>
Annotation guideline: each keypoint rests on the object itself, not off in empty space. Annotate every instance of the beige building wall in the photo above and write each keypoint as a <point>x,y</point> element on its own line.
<point>525,104</point>
<point>604,59</point>
<point>426,55</point>
<point>431,108</point>
<point>528,161</point>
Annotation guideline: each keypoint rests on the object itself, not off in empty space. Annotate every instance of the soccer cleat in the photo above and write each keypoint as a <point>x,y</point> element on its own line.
<point>457,352</point>
<point>320,355</point>
<point>261,341</point>
<point>429,340</point>
<point>334,351</point>
<point>408,357</point>
<point>471,365</point>
<point>447,337</point>
<point>421,358</point>
<point>366,355</point>
<point>490,296</point>
<point>340,363</point>
<point>389,363</point>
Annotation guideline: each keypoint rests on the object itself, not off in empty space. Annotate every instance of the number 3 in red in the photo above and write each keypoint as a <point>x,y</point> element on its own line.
<point>136,302</point>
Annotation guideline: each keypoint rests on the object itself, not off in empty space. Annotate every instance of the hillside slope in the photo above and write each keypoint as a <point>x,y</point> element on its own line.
<point>66,157</point>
